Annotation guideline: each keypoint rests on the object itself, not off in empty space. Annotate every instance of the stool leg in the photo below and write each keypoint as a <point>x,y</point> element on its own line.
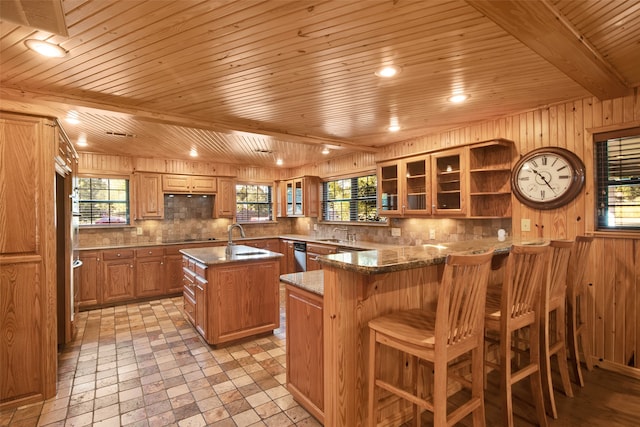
<point>477,384</point>
<point>574,350</point>
<point>536,377</point>
<point>371,409</point>
<point>545,365</point>
<point>505,379</point>
<point>560,349</point>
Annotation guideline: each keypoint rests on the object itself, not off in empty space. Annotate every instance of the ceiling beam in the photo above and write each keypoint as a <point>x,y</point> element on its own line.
<point>543,29</point>
<point>49,103</point>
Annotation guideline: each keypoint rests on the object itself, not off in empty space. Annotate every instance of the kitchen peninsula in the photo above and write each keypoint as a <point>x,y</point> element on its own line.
<point>231,292</point>
<point>359,286</point>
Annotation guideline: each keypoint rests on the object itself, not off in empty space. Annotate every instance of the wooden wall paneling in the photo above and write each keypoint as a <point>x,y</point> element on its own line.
<point>636,315</point>
<point>588,215</point>
<point>608,310</point>
<point>596,307</point>
<point>631,310</point>
<point>625,301</point>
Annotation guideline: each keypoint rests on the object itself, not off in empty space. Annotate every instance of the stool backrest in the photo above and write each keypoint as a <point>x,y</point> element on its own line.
<point>578,264</point>
<point>525,272</point>
<point>461,298</point>
<point>558,265</point>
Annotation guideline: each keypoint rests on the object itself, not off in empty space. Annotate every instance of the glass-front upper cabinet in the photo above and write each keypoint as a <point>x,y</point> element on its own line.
<point>449,184</point>
<point>297,194</point>
<point>403,187</point>
<point>388,189</point>
<point>289,197</point>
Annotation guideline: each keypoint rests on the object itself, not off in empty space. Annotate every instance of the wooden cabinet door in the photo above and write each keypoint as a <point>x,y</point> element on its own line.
<point>89,292</point>
<point>245,300</point>
<point>226,198</point>
<point>176,183</point>
<point>149,197</point>
<point>149,268</point>
<point>305,362</point>
<point>204,184</point>
<point>449,169</point>
<point>389,189</point>
<point>311,196</point>
<point>117,277</point>
<point>172,274</point>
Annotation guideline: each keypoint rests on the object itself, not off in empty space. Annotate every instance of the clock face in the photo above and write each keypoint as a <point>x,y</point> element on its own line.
<point>547,177</point>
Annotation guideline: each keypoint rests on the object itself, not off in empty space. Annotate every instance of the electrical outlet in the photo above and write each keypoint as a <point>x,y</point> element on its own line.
<point>525,224</point>
<point>432,234</point>
<point>315,227</point>
<point>395,232</point>
<point>139,231</point>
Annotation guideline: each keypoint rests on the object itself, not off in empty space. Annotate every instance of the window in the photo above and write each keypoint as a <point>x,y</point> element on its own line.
<point>618,179</point>
<point>350,200</point>
<point>103,201</point>
<point>253,203</point>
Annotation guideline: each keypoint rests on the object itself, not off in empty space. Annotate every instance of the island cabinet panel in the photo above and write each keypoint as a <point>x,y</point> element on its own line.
<point>244,299</point>
<point>305,361</point>
<point>117,276</point>
<point>172,272</point>
<point>201,310</point>
<point>350,300</point>
<point>149,268</point>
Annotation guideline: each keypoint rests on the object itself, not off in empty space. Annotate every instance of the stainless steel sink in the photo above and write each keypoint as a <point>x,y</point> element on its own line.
<point>249,253</point>
<point>330,240</point>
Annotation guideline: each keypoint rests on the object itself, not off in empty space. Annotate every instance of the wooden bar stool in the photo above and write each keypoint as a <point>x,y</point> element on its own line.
<point>577,320</point>
<point>514,307</point>
<point>554,296</point>
<point>454,330</point>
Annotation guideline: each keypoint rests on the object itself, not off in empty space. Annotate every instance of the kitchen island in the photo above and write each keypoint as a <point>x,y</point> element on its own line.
<point>359,286</point>
<point>231,292</point>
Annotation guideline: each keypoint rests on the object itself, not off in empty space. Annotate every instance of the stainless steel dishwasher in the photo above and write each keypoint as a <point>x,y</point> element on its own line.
<point>300,256</point>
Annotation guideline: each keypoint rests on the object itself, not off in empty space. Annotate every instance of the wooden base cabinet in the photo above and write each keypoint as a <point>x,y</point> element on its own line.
<point>149,272</point>
<point>117,276</point>
<point>305,378</point>
<point>89,292</point>
<point>229,301</point>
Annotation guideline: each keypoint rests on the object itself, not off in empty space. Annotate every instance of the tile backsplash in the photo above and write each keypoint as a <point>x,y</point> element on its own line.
<point>189,218</point>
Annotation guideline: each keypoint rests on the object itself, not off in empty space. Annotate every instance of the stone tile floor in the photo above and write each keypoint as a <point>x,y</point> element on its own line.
<point>144,365</point>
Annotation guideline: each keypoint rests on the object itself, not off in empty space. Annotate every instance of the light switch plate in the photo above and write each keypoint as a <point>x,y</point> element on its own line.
<point>395,232</point>
<point>139,231</point>
<point>525,224</point>
<point>432,234</point>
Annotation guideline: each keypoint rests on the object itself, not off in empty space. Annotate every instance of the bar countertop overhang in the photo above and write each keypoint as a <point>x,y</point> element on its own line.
<point>407,257</point>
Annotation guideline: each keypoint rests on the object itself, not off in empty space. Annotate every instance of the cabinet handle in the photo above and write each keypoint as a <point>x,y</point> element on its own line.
<point>118,255</point>
<point>131,265</point>
<point>150,252</point>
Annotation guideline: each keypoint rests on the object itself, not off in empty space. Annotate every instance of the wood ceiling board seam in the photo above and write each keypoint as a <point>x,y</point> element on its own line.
<point>600,78</point>
<point>157,117</point>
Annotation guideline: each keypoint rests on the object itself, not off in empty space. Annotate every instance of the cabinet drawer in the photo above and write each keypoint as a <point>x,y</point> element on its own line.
<point>320,249</point>
<point>190,308</point>
<point>188,263</point>
<point>201,270</point>
<point>149,252</point>
<point>119,254</point>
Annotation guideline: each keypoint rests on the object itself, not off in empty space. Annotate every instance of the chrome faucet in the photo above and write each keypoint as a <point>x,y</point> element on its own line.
<point>231,227</point>
<point>345,229</point>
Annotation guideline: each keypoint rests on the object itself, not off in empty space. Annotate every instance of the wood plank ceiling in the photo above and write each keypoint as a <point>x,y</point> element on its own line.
<point>250,81</point>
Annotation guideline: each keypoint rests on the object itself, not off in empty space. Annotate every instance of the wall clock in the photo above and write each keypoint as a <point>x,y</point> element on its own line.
<point>547,178</point>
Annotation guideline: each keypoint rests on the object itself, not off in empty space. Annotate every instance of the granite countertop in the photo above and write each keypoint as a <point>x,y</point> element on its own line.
<point>228,254</point>
<point>312,281</point>
<point>403,258</point>
<point>358,245</point>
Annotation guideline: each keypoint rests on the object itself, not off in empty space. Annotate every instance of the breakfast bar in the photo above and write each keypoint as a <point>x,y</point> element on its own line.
<point>359,286</point>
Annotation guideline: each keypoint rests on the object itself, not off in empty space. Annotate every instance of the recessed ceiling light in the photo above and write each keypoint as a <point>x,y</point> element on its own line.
<point>193,152</point>
<point>325,151</point>
<point>394,128</point>
<point>46,48</point>
<point>72,118</point>
<point>279,162</point>
<point>388,71</point>
<point>457,99</point>
<point>82,140</point>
